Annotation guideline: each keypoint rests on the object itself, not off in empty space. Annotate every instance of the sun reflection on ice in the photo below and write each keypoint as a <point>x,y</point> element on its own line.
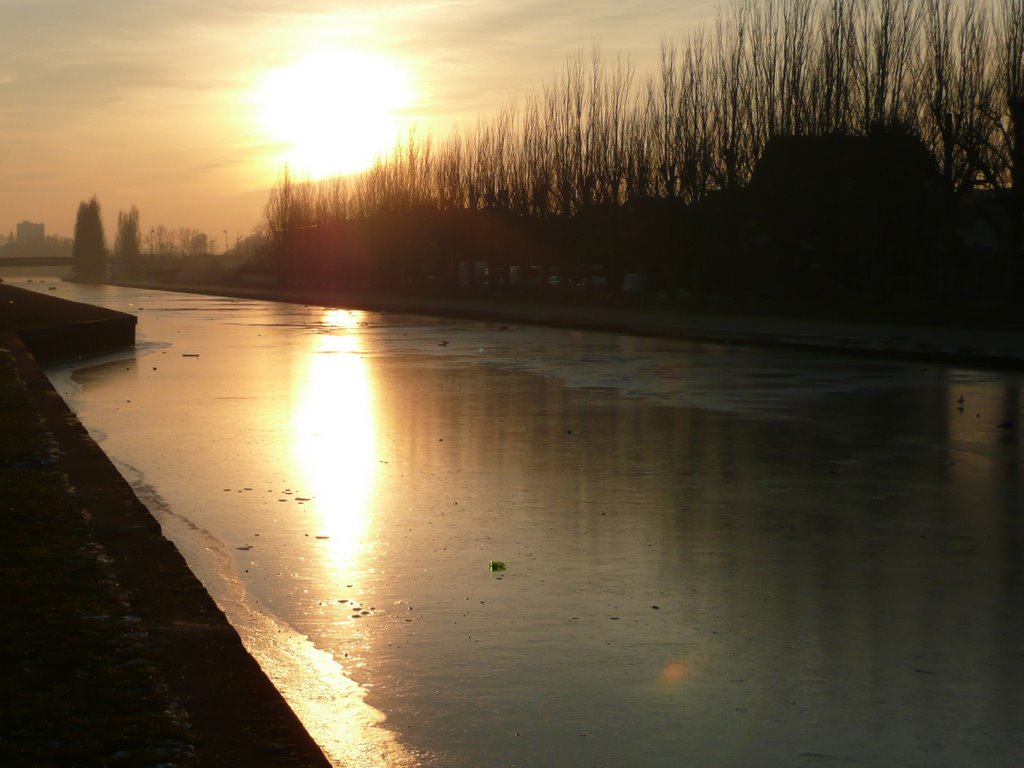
<point>334,438</point>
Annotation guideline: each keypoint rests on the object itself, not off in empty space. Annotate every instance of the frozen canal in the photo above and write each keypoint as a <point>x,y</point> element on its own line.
<point>714,556</point>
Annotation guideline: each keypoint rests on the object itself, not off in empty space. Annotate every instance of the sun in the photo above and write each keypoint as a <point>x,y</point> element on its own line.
<point>334,113</point>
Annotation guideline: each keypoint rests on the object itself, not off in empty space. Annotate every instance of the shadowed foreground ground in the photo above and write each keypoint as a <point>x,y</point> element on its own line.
<point>111,651</point>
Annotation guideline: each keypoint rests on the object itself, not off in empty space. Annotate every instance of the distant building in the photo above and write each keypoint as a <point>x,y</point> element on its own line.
<point>31,235</point>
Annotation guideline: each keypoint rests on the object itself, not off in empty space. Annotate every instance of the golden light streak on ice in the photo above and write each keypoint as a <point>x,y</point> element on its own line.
<point>334,438</point>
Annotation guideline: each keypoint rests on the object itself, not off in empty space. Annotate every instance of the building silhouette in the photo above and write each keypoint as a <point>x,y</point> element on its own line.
<point>31,236</point>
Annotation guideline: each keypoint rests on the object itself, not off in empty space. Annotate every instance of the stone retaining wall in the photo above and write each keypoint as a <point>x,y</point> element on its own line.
<point>55,329</point>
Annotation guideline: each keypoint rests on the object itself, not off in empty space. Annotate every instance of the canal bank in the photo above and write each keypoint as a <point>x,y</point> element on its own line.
<point>985,347</point>
<point>113,652</point>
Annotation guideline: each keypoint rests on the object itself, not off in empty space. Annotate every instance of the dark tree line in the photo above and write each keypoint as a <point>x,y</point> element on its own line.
<point>602,165</point>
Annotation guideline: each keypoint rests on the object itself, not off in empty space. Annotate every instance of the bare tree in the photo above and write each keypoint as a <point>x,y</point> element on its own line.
<point>616,96</point>
<point>665,117</point>
<point>536,148</point>
<point>732,94</point>
<point>128,240</point>
<point>291,206</point>
<point>797,25</point>
<point>1011,86</point>
<point>958,79</point>
<point>831,71</point>
<point>885,51</point>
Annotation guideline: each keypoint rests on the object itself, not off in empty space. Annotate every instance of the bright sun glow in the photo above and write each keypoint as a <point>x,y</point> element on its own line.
<point>334,113</point>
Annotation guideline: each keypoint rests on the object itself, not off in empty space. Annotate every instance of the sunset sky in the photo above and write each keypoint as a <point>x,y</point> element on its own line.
<point>190,108</point>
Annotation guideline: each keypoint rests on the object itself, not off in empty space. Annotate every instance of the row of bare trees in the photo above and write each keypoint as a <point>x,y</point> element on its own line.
<point>177,241</point>
<point>948,71</point>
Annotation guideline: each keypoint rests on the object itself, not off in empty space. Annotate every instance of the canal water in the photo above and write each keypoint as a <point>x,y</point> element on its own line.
<point>709,556</point>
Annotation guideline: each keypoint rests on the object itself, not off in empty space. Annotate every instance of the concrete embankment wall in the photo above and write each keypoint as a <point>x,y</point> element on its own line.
<point>55,329</point>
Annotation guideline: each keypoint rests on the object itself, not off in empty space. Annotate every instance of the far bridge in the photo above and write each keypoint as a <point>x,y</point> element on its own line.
<point>35,261</point>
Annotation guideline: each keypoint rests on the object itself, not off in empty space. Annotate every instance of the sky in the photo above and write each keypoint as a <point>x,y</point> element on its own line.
<point>190,109</point>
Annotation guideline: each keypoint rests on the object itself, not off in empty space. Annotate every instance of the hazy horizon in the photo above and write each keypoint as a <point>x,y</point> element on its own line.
<point>190,111</point>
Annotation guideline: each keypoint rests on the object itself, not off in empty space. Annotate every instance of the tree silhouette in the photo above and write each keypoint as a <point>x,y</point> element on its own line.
<point>129,239</point>
<point>89,252</point>
<point>601,168</point>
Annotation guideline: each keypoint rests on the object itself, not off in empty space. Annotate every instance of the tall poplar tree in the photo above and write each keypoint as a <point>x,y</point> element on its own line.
<point>128,240</point>
<point>89,252</point>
